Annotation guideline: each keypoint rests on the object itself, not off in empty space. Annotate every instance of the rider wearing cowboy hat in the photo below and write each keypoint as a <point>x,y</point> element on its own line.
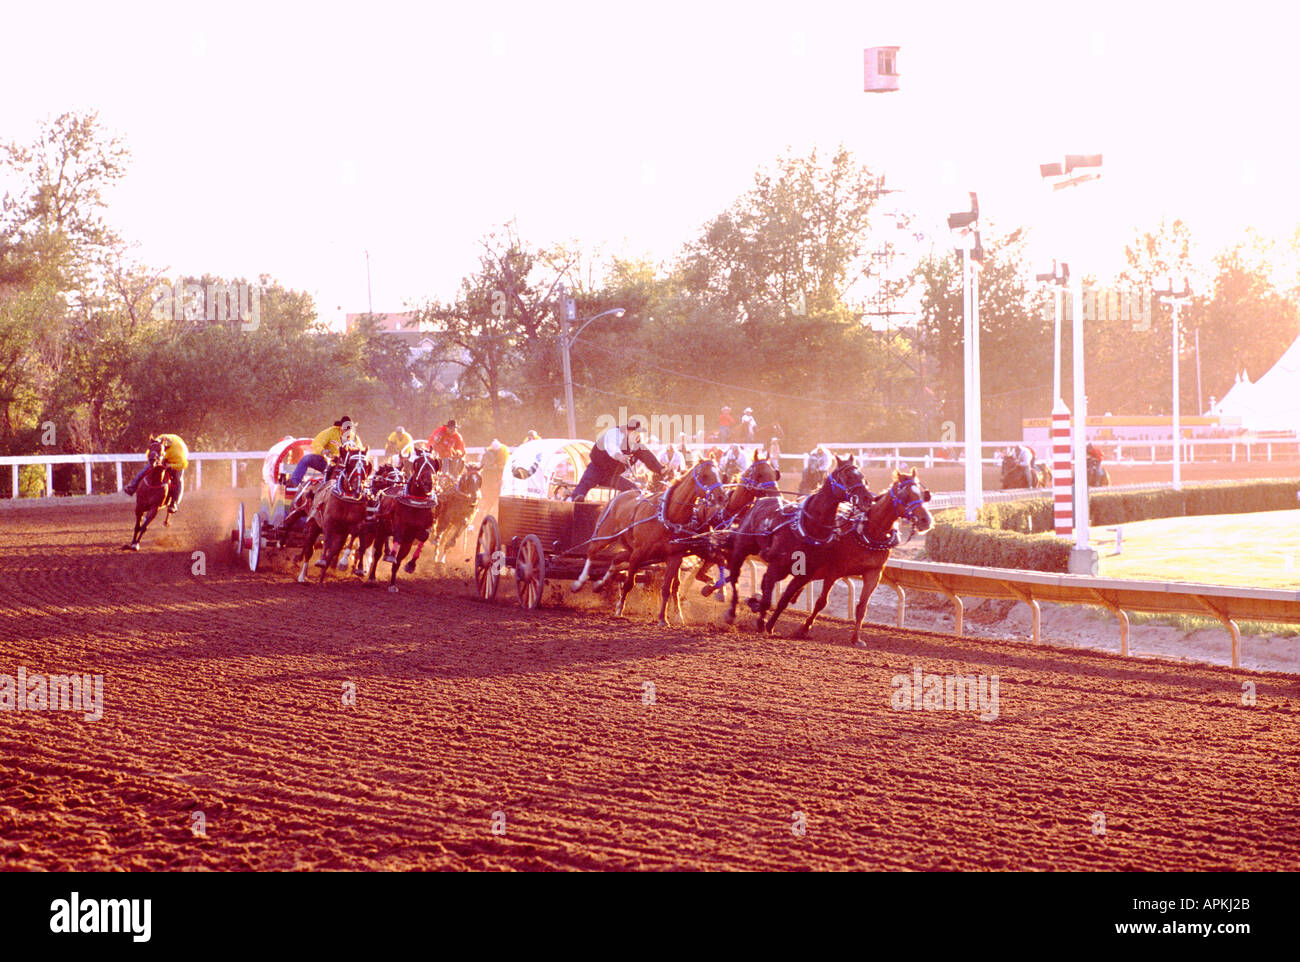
<point>324,446</point>
<point>613,452</point>
<point>446,442</point>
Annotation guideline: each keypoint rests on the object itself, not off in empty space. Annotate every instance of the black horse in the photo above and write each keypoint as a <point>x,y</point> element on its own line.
<point>861,551</point>
<point>784,535</point>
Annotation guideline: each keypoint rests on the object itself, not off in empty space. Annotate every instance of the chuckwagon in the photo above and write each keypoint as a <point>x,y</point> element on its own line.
<point>536,533</point>
<point>266,528</point>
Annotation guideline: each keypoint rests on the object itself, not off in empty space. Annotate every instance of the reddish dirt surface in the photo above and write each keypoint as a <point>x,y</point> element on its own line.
<point>223,695</point>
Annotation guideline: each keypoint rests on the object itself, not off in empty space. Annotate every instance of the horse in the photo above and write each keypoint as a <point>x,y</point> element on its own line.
<point>861,551</point>
<point>643,530</point>
<point>152,493</point>
<point>790,531</point>
<point>336,510</point>
<point>1098,477</point>
<point>456,508</point>
<point>406,516</point>
<point>758,481</point>
<point>363,536</point>
<point>1013,474</point>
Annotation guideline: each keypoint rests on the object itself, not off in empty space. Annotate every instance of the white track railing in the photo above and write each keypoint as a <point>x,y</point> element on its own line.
<point>194,475</point>
<point>920,454</point>
<point>1230,605</point>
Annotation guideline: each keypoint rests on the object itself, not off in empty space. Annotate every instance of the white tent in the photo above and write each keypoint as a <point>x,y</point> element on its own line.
<point>1270,404</point>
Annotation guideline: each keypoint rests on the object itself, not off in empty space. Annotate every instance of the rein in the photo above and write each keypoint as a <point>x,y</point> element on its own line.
<point>696,523</point>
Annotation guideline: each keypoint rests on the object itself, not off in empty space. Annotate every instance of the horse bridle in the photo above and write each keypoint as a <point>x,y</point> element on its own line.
<point>902,509</point>
<point>354,466</point>
<point>701,502</point>
<point>422,463</point>
<point>749,484</point>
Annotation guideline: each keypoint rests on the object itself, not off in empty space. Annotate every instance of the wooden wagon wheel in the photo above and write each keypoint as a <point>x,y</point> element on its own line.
<point>255,542</point>
<point>488,559</point>
<point>530,572</point>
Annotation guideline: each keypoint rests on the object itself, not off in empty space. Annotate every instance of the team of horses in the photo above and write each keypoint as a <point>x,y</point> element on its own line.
<point>840,530</point>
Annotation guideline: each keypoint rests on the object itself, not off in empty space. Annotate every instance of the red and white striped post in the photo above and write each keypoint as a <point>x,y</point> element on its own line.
<point>1062,470</point>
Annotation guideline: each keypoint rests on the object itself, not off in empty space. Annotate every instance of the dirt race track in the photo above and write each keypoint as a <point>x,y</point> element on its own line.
<point>223,694</point>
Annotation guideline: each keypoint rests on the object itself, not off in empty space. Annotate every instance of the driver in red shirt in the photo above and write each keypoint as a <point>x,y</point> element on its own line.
<point>446,441</point>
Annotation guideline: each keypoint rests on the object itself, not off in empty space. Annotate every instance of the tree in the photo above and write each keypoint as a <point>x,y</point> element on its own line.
<point>1246,323</point>
<point>1015,337</point>
<point>501,327</point>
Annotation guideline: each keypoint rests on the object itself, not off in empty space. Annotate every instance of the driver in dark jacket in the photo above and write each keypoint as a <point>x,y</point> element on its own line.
<point>613,452</point>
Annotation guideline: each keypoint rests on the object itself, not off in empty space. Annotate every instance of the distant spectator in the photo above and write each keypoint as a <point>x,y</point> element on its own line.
<point>726,424</point>
<point>748,425</point>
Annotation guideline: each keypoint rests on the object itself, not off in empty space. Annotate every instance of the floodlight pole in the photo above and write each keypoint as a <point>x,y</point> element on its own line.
<point>1176,299</point>
<point>1082,555</point>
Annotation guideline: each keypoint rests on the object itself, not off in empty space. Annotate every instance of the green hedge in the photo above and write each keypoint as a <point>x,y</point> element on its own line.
<point>1004,537</point>
<point>970,543</point>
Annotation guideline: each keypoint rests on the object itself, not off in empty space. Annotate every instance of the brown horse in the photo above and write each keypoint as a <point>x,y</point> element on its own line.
<point>336,511</point>
<point>152,493</point>
<point>406,515</point>
<point>456,508</point>
<point>785,536</point>
<point>643,530</point>
<point>365,534</point>
<point>860,552</point>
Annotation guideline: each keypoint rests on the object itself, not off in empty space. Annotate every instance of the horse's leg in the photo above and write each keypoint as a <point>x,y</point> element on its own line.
<point>380,539</point>
<point>818,605</point>
<point>404,547</point>
<point>366,533</point>
<point>149,516</point>
<point>671,568</point>
<point>583,577</point>
<point>308,549</point>
<point>740,550</point>
<point>776,570</point>
<point>633,566</point>
<point>870,579</point>
<point>791,592</point>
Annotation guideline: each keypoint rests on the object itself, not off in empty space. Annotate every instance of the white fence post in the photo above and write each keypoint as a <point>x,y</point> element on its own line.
<point>88,477</point>
<point>118,465</point>
<point>49,480</point>
<point>198,475</point>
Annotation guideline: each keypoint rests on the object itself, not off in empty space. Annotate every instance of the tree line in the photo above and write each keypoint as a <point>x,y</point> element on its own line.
<point>786,301</point>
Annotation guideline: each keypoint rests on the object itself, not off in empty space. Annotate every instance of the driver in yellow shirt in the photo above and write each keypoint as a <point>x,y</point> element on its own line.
<point>401,441</point>
<point>176,458</point>
<point>325,446</point>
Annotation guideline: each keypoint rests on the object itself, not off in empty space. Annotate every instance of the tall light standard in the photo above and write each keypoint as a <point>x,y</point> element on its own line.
<point>964,224</point>
<point>567,313</point>
<point>1083,558</point>
<point>1060,278</point>
<point>1176,299</point>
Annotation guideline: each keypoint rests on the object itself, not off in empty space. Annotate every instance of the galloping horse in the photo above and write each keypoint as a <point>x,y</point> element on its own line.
<point>1013,474</point>
<point>643,530</point>
<point>785,535</point>
<point>336,511</point>
<point>456,509</point>
<point>861,551</point>
<point>406,515</point>
<point>365,535</point>
<point>758,481</point>
<point>152,494</point>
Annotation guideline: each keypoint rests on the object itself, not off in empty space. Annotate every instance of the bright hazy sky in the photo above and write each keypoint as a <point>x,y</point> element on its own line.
<point>291,138</point>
